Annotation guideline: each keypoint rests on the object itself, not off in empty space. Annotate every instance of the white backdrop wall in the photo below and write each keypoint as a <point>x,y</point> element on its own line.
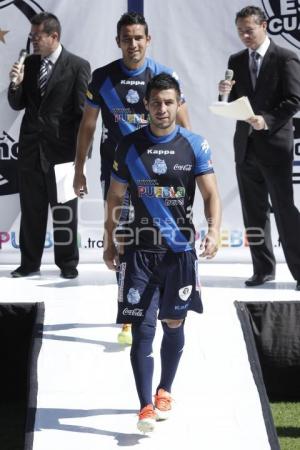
<point>193,37</point>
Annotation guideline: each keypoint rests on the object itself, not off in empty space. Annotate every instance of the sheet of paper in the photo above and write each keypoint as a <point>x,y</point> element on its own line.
<point>240,109</point>
<point>64,175</point>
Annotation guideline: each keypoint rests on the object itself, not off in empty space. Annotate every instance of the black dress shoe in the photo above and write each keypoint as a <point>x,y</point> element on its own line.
<point>69,272</point>
<point>258,279</point>
<point>23,272</point>
<point>298,285</point>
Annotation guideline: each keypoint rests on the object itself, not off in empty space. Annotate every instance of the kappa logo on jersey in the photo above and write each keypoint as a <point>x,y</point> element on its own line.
<point>133,296</point>
<point>104,135</point>
<point>158,151</point>
<point>284,19</point>
<point>185,292</point>
<point>132,96</point>
<point>133,82</point>
<point>159,166</point>
<point>205,146</point>
<point>115,166</point>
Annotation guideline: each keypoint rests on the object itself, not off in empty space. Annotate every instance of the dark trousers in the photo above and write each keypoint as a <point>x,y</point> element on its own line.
<point>37,191</point>
<point>257,182</point>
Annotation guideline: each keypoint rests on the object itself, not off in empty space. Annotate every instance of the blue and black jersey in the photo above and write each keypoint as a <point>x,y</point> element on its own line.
<point>119,93</point>
<point>160,173</point>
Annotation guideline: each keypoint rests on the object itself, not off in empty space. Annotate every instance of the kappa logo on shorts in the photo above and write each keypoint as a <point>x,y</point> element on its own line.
<point>133,296</point>
<point>185,292</point>
<point>122,270</point>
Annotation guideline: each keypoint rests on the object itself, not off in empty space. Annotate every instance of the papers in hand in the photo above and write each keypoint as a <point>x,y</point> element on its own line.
<point>240,109</point>
<point>64,175</point>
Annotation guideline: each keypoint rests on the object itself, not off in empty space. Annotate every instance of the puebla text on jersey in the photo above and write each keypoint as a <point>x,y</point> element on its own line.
<point>119,93</point>
<point>160,173</point>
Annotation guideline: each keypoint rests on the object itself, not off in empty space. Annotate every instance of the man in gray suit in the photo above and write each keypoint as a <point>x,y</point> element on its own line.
<point>269,76</point>
<point>51,87</point>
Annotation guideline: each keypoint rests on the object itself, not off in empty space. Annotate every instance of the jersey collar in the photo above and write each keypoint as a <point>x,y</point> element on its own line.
<point>160,139</point>
<point>133,72</point>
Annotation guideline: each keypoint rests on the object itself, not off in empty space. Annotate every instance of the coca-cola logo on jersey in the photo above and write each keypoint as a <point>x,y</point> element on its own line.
<point>183,167</point>
<point>284,19</point>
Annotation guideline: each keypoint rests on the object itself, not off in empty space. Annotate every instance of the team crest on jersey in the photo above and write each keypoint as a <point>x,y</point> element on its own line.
<point>133,296</point>
<point>132,96</point>
<point>185,292</point>
<point>159,166</point>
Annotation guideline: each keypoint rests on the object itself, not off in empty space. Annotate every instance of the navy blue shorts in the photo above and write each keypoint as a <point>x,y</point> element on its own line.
<point>150,282</point>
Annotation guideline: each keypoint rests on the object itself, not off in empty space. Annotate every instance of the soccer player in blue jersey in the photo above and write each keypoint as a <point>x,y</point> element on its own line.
<point>160,165</point>
<point>118,90</point>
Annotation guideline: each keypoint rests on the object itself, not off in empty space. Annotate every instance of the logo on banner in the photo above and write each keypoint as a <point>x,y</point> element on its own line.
<point>8,36</point>
<point>284,19</point>
<point>8,164</point>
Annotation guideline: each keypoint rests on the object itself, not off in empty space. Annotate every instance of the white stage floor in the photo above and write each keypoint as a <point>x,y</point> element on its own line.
<point>86,393</point>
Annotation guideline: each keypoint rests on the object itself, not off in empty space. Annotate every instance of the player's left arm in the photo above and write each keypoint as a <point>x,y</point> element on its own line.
<point>182,117</point>
<point>207,185</point>
<point>113,206</point>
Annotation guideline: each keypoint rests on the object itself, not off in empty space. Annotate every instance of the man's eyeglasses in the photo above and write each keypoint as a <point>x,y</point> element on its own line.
<point>37,36</point>
<point>249,31</point>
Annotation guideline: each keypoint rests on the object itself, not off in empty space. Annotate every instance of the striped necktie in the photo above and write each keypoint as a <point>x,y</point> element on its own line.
<point>254,67</point>
<point>43,75</point>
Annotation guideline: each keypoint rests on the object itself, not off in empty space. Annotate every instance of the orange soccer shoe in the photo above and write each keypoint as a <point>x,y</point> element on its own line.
<point>147,419</point>
<point>163,404</point>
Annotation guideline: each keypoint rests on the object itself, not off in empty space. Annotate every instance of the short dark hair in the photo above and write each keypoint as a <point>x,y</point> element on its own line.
<point>49,21</point>
<point>131,18</point>
<point>251,11</point>
<point>162,82</point>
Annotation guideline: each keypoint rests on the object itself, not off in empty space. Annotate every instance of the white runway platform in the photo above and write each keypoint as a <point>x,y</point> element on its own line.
<point>86,394</point>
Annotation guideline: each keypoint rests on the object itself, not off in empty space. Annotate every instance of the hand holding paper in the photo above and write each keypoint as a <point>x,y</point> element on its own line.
<point>240,109</point>
<point>64,175</point>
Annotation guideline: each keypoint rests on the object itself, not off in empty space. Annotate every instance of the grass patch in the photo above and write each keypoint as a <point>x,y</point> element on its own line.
<point>287,421</point>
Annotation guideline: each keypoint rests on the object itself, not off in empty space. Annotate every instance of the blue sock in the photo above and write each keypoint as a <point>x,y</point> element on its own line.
<point>142,361</point>
<point>170,353</point>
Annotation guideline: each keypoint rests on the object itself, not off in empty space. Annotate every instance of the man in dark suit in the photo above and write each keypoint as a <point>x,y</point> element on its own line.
<point>51,86</point>
<point>269,76</point>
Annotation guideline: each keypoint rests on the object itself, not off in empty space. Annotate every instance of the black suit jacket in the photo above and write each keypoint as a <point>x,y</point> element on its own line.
<point>276,97</point>
<point>50,124</point>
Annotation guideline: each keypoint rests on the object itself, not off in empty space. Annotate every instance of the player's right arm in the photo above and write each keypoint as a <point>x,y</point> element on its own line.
<point>84,140</point>
<point>114,202</point>
<point>15,91</point>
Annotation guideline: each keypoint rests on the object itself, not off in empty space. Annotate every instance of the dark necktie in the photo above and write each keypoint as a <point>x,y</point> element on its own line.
<point>254,67</point>
<point>43,75</point>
